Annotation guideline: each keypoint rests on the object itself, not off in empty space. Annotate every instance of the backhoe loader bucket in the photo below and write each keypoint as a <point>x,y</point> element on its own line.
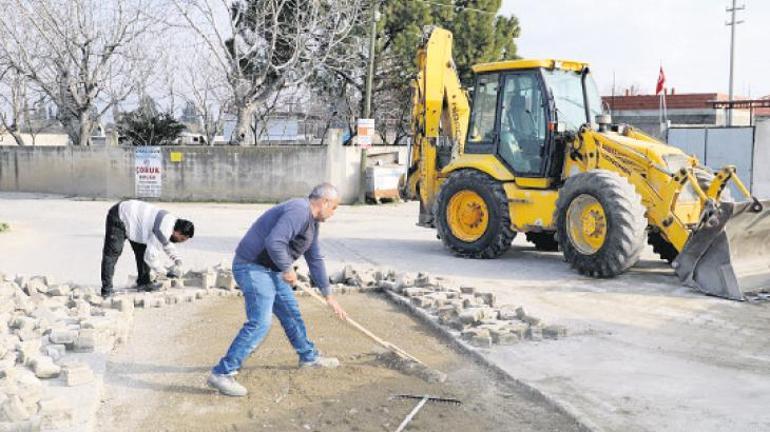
<point>729,255</point>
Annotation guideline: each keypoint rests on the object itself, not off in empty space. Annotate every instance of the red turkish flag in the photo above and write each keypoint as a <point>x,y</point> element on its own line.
<point>661,81</point>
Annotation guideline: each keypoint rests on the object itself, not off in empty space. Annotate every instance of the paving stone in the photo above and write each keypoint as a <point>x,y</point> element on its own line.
<point>471,315</point>
<point>554,331</point>
<point>423,280</point>
<point>123,304</point>
<point>14,411</point>
<point>76,374</point>
<point>23,322</point>
<point>225,280</point>
<point>44,367</point>
<point>487,298</point>
<point>62,336</point>
<point>59,290</point>
<point>467,289</point>
<point>507,313</point>
<point>423,302</point>
<point>200,294</point>
<point>28,350</point>
<point>139,302</point>
<point>86,341</point>
<point>388,285</point>
<point>413,292</point>
<point>534,333</point>
<point>506,339</point>
<point>403,281</point>
<point>56,413</point>
<point>55,351</point>
<point>518,328</point>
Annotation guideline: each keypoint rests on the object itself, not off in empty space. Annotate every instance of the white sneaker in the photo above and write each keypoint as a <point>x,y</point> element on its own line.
<point>321,362</point>
<point>227,385</point>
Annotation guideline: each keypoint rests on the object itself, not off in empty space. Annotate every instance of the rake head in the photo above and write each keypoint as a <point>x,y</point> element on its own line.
<point>429,398</point>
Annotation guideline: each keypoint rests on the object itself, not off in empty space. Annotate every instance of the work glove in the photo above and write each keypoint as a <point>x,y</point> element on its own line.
<point>175,271</point>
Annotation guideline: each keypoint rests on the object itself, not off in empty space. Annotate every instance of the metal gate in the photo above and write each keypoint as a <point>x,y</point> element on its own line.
<point>716,147</point>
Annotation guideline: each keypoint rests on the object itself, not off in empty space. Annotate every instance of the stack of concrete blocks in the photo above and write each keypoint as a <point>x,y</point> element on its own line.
<point>41,321</point>
<point>472,315</point>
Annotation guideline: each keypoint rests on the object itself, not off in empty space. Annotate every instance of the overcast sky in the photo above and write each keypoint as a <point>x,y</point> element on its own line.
<point>632,38</point>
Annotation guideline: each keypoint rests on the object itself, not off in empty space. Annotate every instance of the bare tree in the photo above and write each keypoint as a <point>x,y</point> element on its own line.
<point>207,92</point>
<point>263,46</point>
<point>13,96</point>
<point>85,55</point>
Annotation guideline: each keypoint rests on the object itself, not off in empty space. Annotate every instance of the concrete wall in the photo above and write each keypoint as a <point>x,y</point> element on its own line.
<point>761,180</point>
<point>239,174</point>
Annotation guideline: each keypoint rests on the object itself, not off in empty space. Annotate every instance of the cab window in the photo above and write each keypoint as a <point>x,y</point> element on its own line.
<point>482,125</point>
<point>523,123</point>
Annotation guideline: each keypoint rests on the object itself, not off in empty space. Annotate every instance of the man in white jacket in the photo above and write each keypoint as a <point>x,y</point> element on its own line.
<point>150,231</point>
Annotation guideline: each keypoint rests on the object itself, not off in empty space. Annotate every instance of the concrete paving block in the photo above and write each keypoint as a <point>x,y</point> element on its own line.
<point>225,280</point>
<point>471,315</point>
<point>423,302</point>
<point>44,367</point>
<point>518,328</point>
<point>23,322</point>
<point>56,413</point>
<point>403,281</point>
<point>139,302</point>
<point>467,289</point>
<point>59,289</point>
<point>413,292</point>
<point>507,313</point>
<point>55,351</point>
<point>554,331</point>
<point>62,336</point>
<point>14,411</point>
<point>123,304</point>
<point>28,350</point>
<point>27,334</point>
<point>388,285</point>
<point>534,333</point>
<point>487,298</point>
<point>208,279</point>
<point>199,294</point>
<point>76,374</point>
<point>86,341</point>
<point>506,339</point>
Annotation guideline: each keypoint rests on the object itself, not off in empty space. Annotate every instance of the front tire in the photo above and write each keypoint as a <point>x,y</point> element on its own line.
<point>472,216</point>
<point>601,223</point>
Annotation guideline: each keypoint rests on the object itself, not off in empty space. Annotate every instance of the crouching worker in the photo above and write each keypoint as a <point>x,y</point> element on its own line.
<point>150,231</point>
<point>263,270</point>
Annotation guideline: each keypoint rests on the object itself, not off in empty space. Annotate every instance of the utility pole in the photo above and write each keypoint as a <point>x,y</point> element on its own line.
<point>368,97</point>
<point>732,25</point>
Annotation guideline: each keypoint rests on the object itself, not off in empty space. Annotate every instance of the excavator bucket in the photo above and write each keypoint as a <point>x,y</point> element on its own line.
<point>729,255</point>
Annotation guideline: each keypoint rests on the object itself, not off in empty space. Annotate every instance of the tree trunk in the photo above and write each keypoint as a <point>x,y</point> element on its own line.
<point>79,129</point>
<point>243,126</point>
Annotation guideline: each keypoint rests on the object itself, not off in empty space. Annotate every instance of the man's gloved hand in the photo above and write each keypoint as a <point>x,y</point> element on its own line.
<point>175,271</point>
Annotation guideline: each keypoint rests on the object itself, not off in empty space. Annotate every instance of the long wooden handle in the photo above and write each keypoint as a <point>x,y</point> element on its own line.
<point>400,352</point>
<point>411,415</point>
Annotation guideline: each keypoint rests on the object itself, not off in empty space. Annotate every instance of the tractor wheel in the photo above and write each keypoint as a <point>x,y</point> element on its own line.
<point>543,241</point>
<point>661,246</point>
<point>601,223</point>
<point>471,215</point>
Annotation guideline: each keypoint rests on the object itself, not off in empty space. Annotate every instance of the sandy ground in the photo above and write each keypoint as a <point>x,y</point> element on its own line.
<point>644,353</point>
<point>152,387</point>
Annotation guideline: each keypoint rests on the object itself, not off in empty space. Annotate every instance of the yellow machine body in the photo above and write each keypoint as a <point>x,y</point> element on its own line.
<point>666,179</point>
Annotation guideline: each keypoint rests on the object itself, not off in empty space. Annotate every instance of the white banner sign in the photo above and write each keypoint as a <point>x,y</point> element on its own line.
<point>148,162</point>
<point>365,132</point>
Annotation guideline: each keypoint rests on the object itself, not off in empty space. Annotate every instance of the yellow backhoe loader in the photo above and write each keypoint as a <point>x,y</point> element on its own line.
<point>537,155</point>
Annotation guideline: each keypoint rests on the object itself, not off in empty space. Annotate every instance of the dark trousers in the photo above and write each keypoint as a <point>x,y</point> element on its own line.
<point>114,239</point>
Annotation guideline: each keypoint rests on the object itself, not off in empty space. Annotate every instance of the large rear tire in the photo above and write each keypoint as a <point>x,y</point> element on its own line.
<point>601,223</point>
<point>471,215</point>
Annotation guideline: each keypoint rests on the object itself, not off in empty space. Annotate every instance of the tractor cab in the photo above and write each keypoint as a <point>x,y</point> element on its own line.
<point>520,106</point>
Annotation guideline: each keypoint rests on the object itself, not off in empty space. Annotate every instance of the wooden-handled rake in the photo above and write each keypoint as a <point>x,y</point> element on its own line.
<point>423,400</point>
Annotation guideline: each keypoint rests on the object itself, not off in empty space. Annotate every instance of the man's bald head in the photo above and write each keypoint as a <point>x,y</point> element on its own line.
<point>324,199</point>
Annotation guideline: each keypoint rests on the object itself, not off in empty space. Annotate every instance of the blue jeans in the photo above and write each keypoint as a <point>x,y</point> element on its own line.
<point>265,293</point>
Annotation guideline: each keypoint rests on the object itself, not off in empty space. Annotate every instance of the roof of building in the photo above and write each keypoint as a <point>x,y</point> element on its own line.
<point>673,101</point>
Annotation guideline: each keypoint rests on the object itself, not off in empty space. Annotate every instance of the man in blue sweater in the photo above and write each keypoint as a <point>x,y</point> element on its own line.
<point>263,269</point>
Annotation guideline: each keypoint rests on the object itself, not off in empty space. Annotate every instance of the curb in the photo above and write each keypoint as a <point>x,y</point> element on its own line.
<point>583,424</point>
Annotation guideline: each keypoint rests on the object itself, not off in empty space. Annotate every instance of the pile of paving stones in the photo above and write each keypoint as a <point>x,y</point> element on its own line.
<point>471,314</point>
<point>44,325</point>
<point>41,321</point>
